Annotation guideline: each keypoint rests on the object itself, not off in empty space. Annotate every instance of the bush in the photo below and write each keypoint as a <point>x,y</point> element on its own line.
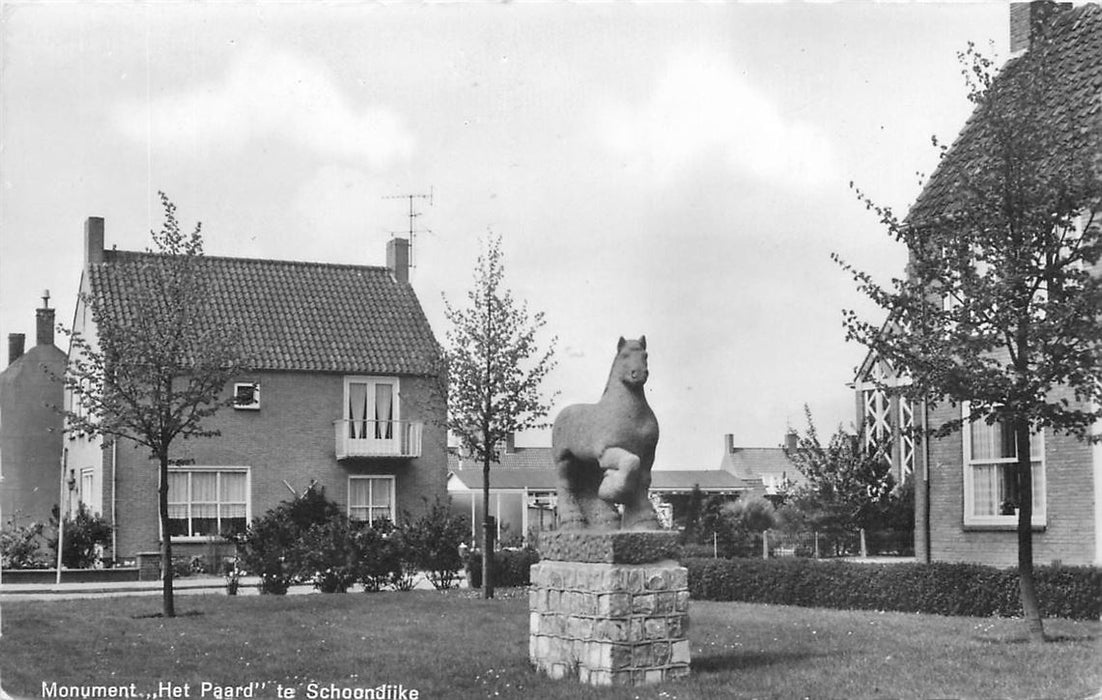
<point>21,546</point>
<point>268,547</point>
<point>325,556</point>
<point>512,567</point>
<point>433,543</point>
<point>85,537</point>
<point>939,589</point>
<point>382,557</point>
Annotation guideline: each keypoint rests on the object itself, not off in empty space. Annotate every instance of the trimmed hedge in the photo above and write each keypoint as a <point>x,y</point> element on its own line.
<point>511,567</point>
<point>939,589</point>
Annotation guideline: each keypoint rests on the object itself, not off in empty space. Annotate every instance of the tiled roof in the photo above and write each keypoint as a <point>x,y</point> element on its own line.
<point>751,463</point>
<point>546,478</point>
<point>1075,109</point>
<point>299,316</point>
<point>519,458</point>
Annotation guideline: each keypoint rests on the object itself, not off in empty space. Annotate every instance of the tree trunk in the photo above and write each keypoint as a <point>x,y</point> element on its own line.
<point>1031,609</point>
<point>487,535</point>
<point>168,603</point>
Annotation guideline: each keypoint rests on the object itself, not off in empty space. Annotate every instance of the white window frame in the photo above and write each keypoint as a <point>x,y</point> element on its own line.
<point>88,496</point>
<point>192,469</point>
<point>255,404</point>
<point>373,479</point>
<point>372,382</point>
<point>1040,491</point>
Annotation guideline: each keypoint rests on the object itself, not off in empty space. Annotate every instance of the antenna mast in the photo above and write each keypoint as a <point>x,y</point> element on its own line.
<point>413,214</point>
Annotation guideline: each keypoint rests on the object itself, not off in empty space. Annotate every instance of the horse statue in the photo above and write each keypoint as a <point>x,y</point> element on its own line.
<point>604,451</point>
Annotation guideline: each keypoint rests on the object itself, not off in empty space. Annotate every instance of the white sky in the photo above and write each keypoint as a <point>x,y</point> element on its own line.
<point>678,170</point>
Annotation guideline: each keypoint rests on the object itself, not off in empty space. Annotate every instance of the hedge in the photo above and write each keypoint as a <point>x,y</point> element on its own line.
<point>511,567</point>
<point>939,588</point>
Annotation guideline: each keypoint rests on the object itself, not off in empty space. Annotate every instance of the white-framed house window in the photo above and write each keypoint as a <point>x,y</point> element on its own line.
<point>207,501</point>
<point>88,495</point>
<point>371,498</point>
<point>990,487</point>
<point>371,407</point>
<point>246,396</point>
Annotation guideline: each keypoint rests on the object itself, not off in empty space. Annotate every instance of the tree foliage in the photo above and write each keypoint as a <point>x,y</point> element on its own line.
<point>847,488</point>
<point>155,368</point>
<point>494,368</point>
<point>1000,304</point>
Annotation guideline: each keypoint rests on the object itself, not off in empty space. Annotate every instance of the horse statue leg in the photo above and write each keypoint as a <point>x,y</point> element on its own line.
<point>626,481</point>
<point>569,505</point>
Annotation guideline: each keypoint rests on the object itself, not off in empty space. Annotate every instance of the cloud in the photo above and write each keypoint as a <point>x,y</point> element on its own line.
<point>269,93</point>
<point>701,106</point>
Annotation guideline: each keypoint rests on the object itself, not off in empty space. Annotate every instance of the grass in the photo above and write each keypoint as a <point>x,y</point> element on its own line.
<point>456,646</point>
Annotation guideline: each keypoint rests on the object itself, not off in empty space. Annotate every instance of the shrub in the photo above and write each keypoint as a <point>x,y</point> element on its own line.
<point>939,588</point>
<point>512,567</point>
<point>85,537</point>
<point>382,558</point>
<point>324,555</point>
<point>267,548</point>
<point>21,546</point>
<point>433,541</point>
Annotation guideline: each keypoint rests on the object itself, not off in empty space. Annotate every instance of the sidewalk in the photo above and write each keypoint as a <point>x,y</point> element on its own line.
<point>188,585</point>
<point>14,592</point>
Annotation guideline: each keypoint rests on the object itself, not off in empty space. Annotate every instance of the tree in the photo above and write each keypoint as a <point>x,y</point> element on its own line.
<point>493,370</point>
<point>847,487</point>
<point>1000,308</point>
<point>156,368</point>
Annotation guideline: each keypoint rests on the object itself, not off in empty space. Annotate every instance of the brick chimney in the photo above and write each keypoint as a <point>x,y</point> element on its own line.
<point>397,259</point>
<point>791,440</point>
<point>93,240</point>
<point>44,322</point>
<point>15,346</point>
<point>510,443</point>
<point>1027,20</point>
<point>729,443</point>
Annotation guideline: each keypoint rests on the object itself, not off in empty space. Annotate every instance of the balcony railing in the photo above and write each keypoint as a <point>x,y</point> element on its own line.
<point>370,438</point>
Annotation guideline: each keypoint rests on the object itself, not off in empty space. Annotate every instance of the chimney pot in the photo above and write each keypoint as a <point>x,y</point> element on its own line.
<point>93,240</point>
<point>15,346</point>
<point>397,259</point>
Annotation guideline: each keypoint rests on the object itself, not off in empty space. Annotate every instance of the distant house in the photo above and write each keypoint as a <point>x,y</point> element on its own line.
<point>965,491</point>
<point>338,394</point>
<point>766,472</point>
<point>31,425</point>
<point>523,490</point>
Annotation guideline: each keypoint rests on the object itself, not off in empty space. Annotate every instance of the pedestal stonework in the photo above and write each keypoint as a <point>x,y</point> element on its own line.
<point>609,608</point>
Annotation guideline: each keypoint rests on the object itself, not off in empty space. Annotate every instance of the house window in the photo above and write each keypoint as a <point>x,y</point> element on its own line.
<point>370,498</point>
<point>371,408</point>
<point>990,487</point>
<point>246,396</point>
<point>206,502</point>
<point>88,495</point>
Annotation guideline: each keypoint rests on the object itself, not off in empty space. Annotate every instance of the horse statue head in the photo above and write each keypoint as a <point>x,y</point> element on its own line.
<point>630,365</point>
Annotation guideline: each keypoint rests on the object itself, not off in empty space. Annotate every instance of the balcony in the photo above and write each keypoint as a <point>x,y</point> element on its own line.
<point>369,438</point>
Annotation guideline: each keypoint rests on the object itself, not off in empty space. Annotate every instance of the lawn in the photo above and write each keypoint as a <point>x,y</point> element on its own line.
<point>455,646</point>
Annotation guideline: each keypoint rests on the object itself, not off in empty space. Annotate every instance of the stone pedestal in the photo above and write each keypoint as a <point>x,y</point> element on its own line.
<point>609,608</point>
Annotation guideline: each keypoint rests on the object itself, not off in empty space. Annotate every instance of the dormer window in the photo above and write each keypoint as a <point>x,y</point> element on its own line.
<point>246,396</point>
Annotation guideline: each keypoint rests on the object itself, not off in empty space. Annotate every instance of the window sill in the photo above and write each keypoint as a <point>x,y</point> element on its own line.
<point>1000,527</point>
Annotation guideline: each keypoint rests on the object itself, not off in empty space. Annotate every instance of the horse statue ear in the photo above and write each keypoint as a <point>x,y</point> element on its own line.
<point>620,345</point>
<point>643,341</point>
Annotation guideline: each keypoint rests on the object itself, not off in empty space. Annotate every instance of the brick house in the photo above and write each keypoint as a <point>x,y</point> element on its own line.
<point>30,423</point>
<point>339,393</point>
<point>964,490</point>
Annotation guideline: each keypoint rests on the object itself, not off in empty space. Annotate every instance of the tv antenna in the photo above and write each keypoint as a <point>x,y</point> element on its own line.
<point>413,214</point>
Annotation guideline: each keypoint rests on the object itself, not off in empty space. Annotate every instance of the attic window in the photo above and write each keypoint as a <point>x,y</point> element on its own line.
<point>246,396</point>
